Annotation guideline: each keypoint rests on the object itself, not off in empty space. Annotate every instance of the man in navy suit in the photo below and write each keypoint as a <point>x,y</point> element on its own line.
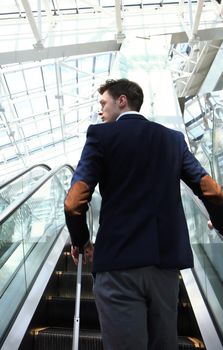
<point>143,240</point>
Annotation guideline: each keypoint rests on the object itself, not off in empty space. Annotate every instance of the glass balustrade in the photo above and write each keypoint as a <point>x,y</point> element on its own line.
<point>217,153</point>
<point>11,189</point>
<point>26,238</point>
<point>207,244</point>
<point>207,247</point>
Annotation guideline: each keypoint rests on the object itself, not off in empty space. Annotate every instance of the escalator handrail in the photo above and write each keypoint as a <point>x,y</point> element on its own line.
<point>15,177</point>
<point>196,200</point>
<point>7,212</point>
<point>201,207</point>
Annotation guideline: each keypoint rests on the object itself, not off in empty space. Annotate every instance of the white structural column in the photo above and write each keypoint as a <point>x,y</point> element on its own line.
<point>60,100</point>
<point>32,23</point>
<point>194,41</point>
<point>120,36</point>
<point>196,23</point>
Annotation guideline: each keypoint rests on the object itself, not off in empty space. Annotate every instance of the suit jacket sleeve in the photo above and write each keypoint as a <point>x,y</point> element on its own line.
<point>85,178</point>
<point>204,186</point>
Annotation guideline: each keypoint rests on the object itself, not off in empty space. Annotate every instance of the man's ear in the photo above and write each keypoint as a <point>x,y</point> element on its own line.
<point>123,101</point>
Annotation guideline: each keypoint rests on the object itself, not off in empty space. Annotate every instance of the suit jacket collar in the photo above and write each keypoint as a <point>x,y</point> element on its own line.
<point>131,115</point>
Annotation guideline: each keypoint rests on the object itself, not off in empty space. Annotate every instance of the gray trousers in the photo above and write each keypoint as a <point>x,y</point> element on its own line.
<point>138,308</point>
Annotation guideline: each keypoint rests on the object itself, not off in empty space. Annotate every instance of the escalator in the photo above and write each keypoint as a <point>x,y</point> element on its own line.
<point>33,223</point>
<point>50,322</point>
<point>52,325</point>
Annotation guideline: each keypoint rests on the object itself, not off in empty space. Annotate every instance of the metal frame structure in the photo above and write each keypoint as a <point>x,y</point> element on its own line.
<point>55,53</point>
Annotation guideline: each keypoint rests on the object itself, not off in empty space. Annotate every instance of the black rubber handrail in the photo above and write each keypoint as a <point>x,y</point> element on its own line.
<point>15,177</point>
<point>11,208</point>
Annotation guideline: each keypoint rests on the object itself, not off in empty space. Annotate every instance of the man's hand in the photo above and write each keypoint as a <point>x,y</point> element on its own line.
<point>210,226</point>
<point>87,256</point>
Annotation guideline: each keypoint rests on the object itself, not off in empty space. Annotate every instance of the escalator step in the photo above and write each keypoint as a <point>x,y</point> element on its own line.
<point>61,339</point>
<point>66,285</point>
<point>60,311</point>
<point>66,263</point>
<point>186,323</point>
<point>70,266</point>
<point>190,343</point>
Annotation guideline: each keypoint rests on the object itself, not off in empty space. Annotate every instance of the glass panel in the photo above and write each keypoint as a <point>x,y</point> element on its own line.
<point>196,132</point>
<point>49,75</point>
<point>10,152</point>
<point>23,108</point>
<point>33,143</point>
<point>102,62</point>
<point>4,138</point>
<point>71,117</point>
<point>29,129</point>
<point>208,252</point>
<point>217,152</point>
<point>17,187</point>
<point>39,104</point>
<point>105,3</point>
<point>16,83</point>
<point>26,238</point>
<point>43,124</point>
<point>203,119</point>
<point>55,121</point>
<point>33,78</point>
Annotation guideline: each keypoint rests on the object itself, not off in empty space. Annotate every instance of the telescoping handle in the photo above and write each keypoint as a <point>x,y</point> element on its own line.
<point>76,326</point>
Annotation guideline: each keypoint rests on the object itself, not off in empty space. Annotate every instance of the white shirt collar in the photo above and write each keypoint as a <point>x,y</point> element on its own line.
<point>128,112</point>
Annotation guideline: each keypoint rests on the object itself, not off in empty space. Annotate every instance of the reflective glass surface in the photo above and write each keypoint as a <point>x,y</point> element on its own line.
<point>203,119</point>
<point>207,247</point>
<point>26,238</point>
<point>16,187</point>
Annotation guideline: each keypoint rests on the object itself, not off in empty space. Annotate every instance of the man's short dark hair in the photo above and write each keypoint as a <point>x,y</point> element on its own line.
<point>119,87</point>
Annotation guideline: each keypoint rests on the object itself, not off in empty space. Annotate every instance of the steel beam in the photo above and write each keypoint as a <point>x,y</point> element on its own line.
<point>197,18</point>
<point>59,51</point>
<point>32,23</point>
<point>120,36</point>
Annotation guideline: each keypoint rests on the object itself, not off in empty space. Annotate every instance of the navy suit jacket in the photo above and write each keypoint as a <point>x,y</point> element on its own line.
<point>138,165</point>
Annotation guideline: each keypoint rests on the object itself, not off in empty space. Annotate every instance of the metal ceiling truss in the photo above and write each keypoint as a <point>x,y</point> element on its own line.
<point>36,27</point>
<point>69,129</point>
<point>201,53</point>
<point>6,123</point>
<point>203,46</point>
